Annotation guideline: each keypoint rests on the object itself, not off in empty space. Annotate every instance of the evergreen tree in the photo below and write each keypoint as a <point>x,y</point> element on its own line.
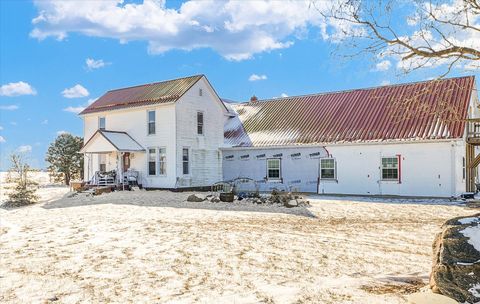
<point>65,159</point>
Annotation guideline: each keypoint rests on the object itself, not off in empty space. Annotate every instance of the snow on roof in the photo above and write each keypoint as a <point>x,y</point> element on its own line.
<point>118,141</point>
<point>122,141</point>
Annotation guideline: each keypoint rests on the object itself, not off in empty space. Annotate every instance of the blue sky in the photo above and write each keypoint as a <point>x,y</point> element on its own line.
<point>49,58</point>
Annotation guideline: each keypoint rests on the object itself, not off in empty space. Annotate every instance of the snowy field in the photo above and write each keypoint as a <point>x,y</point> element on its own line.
<point>153,247</point>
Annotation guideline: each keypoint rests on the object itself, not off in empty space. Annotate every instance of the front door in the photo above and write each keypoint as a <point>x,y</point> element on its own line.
<point>126,161</point>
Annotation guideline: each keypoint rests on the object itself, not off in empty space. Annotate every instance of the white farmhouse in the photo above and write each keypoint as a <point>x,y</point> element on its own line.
<point>414,139</point>
<point>169,132</point>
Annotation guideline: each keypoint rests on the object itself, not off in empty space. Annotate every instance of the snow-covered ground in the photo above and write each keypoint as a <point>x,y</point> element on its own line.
<point>153,247</point>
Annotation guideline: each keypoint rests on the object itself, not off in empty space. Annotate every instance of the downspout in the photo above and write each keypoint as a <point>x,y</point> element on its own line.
<point>453,174</point>
<point>399,156</point>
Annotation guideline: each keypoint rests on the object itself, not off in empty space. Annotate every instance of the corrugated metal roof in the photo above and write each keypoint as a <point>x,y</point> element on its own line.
<point>147,94</point>
<point>434,109</point>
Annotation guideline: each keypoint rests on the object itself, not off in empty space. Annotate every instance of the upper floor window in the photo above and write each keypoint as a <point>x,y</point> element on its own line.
<point>273,168</point>
<point>389,168</point>
<point>327,168</point>
<point>101,123</point>
<point>151,122</point>
<point>200,92</point>
<point>200,123</point>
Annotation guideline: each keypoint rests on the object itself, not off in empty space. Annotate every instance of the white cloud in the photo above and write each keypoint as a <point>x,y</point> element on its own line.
<point>9,107</point>
<point>76,91</point>
<point>75,110</point>
<point>283,95</point>
<point>95,64</point>
<point>79,109</point>
<point>2,139</point>
<point>62,132</point>
<point>255,77</point>
<point>383,65</point>
<point>45,122</point>
<point>1,128</point>
<point>24,149</point>
<point>235,29</point>
<point>17,89</point>
<point>385,82</point>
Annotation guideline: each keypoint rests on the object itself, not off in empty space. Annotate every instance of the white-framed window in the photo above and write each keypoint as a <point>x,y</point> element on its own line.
<point>389,168</point>
<point>200,123</point>
<point>464,168</point>
<point>162,161</point>
<point>102,162</point>
<point>101,123</point>
<point>328,168</point>
<point>152,164</point>
<point>151,122</point>
<point>185,161</point>
<point>273,168</point>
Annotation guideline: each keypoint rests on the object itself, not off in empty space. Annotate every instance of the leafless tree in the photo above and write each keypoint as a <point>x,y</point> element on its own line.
<point>416,33</point>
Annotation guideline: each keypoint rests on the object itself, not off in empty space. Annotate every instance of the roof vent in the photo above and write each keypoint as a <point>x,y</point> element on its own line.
<point>253,98</point>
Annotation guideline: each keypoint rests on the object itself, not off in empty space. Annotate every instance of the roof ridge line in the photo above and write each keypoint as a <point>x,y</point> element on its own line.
<point>351,90</point>
<point>157,82</point>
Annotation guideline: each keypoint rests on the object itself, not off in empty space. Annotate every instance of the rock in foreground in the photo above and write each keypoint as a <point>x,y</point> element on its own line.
<point>456,260</point>
<point>196,198</point>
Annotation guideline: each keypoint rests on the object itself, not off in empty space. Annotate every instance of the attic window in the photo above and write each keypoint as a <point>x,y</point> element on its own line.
<point>200,92</point>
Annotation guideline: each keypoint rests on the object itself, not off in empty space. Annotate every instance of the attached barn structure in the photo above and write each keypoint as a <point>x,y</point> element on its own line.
<point>415,139</point>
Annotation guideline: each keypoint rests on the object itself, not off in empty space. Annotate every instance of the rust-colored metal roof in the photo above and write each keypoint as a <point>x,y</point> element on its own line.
<point>147,94</point>
<point>434,109</point>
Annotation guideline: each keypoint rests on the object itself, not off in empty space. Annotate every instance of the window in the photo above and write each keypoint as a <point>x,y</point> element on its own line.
<point>327,168</point>
<point>162,160</point>
<point>152,165</point>
<point>101,123</point>
<point>273,168</point>
<point>151,122</point>
<point>464,171</point>
<point>200,123</point>
<point>389,168</point>
<point>102,162</point>
<point>185,161</point>
<point>200,92</point>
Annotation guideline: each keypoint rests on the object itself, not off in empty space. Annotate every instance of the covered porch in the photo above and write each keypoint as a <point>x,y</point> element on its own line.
<point>108,157</point>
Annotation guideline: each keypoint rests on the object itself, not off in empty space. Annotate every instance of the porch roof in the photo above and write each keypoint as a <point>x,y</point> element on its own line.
<point>104,141</point>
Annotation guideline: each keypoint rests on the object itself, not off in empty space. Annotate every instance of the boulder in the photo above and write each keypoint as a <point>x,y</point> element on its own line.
<point>101,190</point>
<point>227,197</point>
<point>196,198</point>
<point>291,203</point>
<point>215,199</point>
<point>456,260</point>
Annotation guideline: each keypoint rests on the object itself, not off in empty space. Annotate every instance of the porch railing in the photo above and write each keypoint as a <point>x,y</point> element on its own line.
<point>473,128</point>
